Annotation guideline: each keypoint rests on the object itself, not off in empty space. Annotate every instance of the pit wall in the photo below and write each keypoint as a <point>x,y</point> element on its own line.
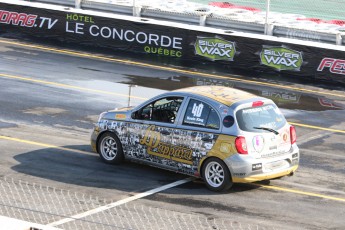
<point>178,43</point>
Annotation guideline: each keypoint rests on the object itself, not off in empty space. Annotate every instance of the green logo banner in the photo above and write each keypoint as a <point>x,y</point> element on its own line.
<point>281,58</point>
<point>215,48</point>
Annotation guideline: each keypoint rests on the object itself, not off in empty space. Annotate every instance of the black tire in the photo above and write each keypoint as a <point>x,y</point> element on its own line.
<point>265,182</point>
<point>216,175</point>
<point>109,148</point>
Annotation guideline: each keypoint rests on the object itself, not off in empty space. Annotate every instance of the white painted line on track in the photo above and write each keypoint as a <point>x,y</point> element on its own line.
<point>121,202</point>
<point>15,224</point>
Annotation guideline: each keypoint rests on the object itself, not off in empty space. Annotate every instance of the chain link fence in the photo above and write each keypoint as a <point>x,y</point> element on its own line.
<point>311,20</point>
<point>46,205</point>
<point>322,9</point>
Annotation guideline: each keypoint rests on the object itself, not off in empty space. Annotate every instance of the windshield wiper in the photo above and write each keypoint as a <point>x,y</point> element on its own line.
<point>267,129</point>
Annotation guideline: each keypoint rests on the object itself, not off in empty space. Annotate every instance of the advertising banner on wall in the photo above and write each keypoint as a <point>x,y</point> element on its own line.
<point>215,50</point>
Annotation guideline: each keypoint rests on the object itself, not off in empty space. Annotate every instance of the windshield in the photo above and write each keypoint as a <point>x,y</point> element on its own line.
<point>266,116</point>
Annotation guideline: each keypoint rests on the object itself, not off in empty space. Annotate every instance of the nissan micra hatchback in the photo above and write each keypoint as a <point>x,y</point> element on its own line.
<point>220,134</point>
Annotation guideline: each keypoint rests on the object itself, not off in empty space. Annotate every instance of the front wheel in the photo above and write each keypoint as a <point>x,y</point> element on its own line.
<point>110,149</point>
<point>216,175</point>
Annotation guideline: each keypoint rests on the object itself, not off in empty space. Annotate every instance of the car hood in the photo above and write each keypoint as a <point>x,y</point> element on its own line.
<point>123,109</point>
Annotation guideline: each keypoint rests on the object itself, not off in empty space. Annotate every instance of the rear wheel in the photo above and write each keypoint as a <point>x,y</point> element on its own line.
<point>265,182</point>
<point>216,175</point>
<point>110,149</point>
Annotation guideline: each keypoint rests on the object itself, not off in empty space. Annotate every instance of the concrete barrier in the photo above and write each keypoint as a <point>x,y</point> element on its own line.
<point>179,43</point>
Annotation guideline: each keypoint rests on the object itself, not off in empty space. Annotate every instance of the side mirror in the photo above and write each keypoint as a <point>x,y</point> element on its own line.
<point>134,115</point>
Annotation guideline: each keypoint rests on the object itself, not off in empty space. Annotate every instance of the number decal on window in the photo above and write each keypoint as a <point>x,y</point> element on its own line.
<point>197,110</point>
<point>201,114</point>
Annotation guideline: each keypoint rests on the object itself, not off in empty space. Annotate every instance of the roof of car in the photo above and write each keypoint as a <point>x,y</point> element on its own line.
<point>224,95</point>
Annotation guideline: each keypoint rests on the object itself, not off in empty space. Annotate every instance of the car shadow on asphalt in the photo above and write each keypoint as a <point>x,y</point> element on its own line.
<point>81,167</point>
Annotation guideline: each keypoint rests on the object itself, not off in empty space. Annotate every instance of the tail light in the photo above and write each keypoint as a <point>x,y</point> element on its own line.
<point>293,136</point>
<point>241,145</point>
<point>257,103</point>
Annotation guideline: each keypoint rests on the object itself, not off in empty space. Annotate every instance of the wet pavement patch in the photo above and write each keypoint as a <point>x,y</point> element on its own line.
<point>7,125</point>
<point>45,111</point>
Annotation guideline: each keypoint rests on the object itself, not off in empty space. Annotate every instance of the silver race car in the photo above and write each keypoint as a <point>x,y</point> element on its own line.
<point>220,134</point>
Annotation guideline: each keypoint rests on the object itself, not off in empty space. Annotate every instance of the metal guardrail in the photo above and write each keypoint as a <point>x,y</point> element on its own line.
<point>205,18</point>
<point>55,2</point>
<point>324,37</point>
<point>228,24</point>
<point>193,19</point>
<point>106,7</point>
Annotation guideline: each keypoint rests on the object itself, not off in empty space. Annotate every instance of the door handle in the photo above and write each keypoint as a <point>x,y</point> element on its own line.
<point>165,132</point>
<point>206,139</point>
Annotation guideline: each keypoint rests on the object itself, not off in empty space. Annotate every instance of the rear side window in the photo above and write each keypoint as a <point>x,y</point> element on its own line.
<point>201,114</point>
<point>266,116</point>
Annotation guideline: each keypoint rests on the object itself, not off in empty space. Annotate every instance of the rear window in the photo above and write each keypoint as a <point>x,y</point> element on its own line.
<point>266,116</point>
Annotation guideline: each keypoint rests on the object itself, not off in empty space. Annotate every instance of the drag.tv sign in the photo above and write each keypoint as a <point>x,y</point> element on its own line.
<point>281,58</point>
<point>215,48</point>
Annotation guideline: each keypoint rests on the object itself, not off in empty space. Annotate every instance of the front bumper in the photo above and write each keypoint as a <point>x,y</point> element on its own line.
<point>94,136</point>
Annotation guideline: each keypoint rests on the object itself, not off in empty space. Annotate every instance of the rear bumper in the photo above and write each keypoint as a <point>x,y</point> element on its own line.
<point>265,176</point>
<point>244,168</point>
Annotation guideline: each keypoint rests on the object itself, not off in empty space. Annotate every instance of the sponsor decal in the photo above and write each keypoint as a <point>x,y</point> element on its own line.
<point>281,58</point>
<point>258,109</point>
<point>118,34</point>
<point>215,48</point>
<point>163,51</point>
<point>79,18</point>
<point>152,43</point>
<point>120,116</point>
<point>329,103</point>
<point>273,154</point>
<point>152,139</point>
<point>196,113</point>
<point>336,66</point>
<point>15,18</point>
<point>257,166</point>
<point>223,110</point>
<point>225,148</point>
<point>103,124</point>
<point>207,81</point>
<point>26,20</point>
<point>281,96</point>
<point>208,146</point>
<point>258,143</point>
<point>285,137</point>
<point>273,147</point>
<point>239,174</point>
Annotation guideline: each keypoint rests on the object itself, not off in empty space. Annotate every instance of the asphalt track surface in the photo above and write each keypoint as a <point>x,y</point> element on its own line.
<point>50,98</point>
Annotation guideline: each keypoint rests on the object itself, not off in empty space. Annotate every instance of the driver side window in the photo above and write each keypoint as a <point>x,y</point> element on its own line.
<point>162,110</point>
